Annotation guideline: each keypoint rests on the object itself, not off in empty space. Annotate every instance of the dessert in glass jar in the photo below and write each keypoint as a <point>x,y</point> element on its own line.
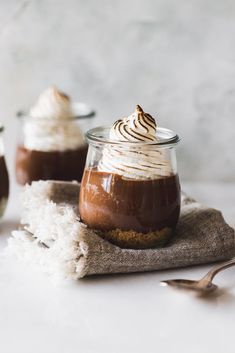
<point>4,179</point>
<point>52,145</point>
<point>130,191</point>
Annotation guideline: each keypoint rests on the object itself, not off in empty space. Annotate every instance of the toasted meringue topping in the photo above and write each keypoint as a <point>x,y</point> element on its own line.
<point>52,103</point>
<point>140,161</point>
<point>139,126</point>
<point>50,126</point>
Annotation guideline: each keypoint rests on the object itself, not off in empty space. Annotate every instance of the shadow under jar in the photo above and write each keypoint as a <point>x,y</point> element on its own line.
<point>132,211</point>
<point>50,149</point>
<point>4,179</point>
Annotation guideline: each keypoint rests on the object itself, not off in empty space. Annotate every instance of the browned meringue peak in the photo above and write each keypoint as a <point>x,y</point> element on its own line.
<point>52,103</point>
<point>139,126</point>
<point>60,95</point>
<point>137,160</point>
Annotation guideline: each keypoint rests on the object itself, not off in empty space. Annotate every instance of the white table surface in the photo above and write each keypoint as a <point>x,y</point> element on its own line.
<point>122,313</point>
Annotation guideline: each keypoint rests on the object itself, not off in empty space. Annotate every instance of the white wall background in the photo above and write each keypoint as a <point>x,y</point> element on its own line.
<point>176,58</point>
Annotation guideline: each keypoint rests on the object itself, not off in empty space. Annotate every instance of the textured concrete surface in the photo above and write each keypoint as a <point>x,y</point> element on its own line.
<point>175,58</point>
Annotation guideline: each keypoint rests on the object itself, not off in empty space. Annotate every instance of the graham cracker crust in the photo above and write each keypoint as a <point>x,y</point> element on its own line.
<point>134,240</point>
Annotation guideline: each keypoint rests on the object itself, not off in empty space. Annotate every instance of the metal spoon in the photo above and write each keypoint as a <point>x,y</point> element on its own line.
<point>203,285</point>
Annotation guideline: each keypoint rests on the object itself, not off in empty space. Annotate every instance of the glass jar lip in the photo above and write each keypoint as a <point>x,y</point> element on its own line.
<point>81,111</point>
<point>100,134</point>
<point>27,117</point>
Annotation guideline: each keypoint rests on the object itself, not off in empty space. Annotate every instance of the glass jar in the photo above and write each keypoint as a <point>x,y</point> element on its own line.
<point>50,149</point>
<point>130,191</point>
<point>4,179</point>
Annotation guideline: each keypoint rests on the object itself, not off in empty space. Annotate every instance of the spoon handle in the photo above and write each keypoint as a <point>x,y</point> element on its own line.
<point>211,274</point>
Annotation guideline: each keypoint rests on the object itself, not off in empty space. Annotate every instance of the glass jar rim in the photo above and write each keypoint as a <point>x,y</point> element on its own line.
<point>100,134</point>
<point>80,111</point>
<point>27,117</point>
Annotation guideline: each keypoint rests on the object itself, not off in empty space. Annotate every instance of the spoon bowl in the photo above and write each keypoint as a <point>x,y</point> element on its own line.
<point>189,284</point>
<point>205,284</point>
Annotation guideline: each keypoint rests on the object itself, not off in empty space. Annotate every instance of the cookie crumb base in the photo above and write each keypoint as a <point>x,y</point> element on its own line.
<point>131,239</point>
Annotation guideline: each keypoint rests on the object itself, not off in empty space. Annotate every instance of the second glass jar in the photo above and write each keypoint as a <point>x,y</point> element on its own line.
<point>50,150</point>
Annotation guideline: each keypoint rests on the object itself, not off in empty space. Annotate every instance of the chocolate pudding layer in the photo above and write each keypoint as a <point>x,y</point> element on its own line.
<point>146,210</point>
<point>4,185</point>
<point>65,165</point>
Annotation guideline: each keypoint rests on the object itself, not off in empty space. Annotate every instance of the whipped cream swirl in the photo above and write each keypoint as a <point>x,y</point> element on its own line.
<point>135,161</point>
<point>50,126</point>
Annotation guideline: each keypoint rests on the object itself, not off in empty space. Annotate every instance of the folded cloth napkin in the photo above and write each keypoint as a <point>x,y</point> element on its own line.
<point>54,238</point>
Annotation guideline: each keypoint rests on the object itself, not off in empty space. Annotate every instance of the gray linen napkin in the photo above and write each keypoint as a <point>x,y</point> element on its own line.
<point>54,238</point>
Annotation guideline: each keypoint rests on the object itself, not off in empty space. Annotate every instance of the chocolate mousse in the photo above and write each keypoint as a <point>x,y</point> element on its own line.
<point>55,165</point>
<point>132,196</point>
<point>53,146</point>
<point>110,202</point>
<point>4,185</point>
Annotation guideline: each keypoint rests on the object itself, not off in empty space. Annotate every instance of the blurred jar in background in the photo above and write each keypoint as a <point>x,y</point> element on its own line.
<point>4,179</point>
<point>52,145</point>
